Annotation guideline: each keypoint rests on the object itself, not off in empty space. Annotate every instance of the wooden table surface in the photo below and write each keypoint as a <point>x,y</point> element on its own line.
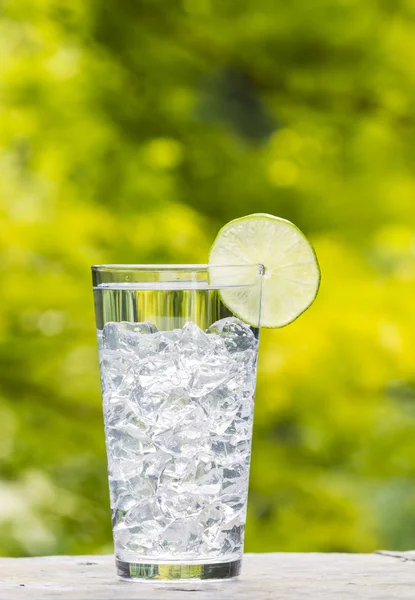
<point>380,576</point>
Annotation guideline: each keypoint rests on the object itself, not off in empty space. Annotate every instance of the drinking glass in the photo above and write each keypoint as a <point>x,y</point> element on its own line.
<point>178,373</point>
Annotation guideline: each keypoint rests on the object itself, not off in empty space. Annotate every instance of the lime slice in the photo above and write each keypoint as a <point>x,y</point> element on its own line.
<point>291,273</point>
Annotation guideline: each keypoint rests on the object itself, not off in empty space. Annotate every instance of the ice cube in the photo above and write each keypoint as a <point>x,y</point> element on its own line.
<point>140,527</point>
<point>140,487</point>
<point>209,375</point>
<point>184,441</point>
<point>154,463</point>
<point>207,478</point>
<point>167,340</point>
<point>126,335</point>
<point>158,371</point>
<point>231,503</point>
<point>213,536</point>
<point>115,410</point>
<point>176,470</point>
<point>187,486</point>
<point>193,340</point>
<point>228,450</point>
<point>114,367</point>
<point>177,408</point>
<point>237,336</point>
<point>239,430</point>
<point>182,536</point>
<point>122,470</point>
<point>146,512</point>
<point>179,505</point>
<point>222,406</point>
<point>136,444</point>
<point>124,502</point>
<point>235,479</point>
<point>193,348</point>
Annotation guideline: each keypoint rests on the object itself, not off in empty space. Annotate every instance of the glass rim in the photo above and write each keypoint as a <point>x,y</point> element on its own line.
<point>173,267</point>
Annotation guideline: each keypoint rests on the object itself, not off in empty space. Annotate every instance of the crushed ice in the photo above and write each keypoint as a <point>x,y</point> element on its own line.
<point>178,409</point>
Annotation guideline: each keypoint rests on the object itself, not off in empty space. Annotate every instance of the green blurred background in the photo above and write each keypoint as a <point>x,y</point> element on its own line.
<point>130,131</point>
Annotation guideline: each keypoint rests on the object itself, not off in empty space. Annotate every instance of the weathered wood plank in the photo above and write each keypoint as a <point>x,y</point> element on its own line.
<point>408,555</point>
<point>265,577</point>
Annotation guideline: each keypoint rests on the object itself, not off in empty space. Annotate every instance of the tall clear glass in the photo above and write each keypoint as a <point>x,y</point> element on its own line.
<point>178,373</point>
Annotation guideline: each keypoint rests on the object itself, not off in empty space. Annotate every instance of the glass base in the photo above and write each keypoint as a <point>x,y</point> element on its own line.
<point>133,571</point>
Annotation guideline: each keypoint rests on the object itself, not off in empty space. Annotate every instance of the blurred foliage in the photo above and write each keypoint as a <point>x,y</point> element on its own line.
<point>129,132</point>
